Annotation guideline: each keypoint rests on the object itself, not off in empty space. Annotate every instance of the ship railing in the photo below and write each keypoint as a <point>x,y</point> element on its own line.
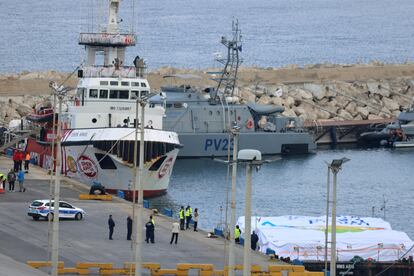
<point>109,72</point>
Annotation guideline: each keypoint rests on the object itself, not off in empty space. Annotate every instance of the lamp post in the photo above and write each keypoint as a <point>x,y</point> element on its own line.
<point>252,158</point>
<point>328,184</point>
<point>60,92</point>
<point>141,102</point>
<point>335,167</point>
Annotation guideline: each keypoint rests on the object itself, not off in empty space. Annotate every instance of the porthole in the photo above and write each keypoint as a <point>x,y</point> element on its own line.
<point>94,120</point>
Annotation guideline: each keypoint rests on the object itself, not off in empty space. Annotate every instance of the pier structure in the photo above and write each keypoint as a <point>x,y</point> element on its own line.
<point>86,241</point>
<point>330,132</point>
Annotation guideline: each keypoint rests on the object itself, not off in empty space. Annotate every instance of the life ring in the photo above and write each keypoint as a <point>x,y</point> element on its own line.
<point>249,124</point>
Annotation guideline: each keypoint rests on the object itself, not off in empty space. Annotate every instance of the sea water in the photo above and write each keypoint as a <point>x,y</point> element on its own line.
<point>42,35</point>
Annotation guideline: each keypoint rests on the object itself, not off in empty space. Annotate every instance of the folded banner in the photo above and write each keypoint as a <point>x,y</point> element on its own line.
<point>303,237</point>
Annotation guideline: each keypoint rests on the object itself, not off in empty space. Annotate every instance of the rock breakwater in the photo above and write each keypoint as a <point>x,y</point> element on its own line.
<point>318,92</point>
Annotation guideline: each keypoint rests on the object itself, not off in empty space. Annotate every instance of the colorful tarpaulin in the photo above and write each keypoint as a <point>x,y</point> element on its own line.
<point>303,237</point>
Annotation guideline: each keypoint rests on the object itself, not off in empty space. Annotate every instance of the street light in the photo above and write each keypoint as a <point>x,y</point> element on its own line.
<point>138,175</point>
<point>235,132</point>
<point>335,167</point>
<point>60,93</point>
<point>252,158</point>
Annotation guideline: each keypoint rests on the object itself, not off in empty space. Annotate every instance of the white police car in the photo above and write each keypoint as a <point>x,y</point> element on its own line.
<point>40,209</point>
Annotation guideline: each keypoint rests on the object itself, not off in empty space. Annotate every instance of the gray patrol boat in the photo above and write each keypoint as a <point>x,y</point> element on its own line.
<point>203,117</point>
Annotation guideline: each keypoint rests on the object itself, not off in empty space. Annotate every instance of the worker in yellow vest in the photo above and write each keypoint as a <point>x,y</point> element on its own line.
<point>3,179</point>
<point>188,216</point>
<point>181,214</point>
<point>237,233</point>
<point>152,220</point>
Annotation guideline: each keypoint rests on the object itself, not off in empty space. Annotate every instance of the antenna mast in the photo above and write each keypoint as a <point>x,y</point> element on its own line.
<point>227,81</point>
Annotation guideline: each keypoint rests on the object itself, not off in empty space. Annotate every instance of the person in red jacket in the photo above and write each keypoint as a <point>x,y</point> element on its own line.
<point>20,159</point>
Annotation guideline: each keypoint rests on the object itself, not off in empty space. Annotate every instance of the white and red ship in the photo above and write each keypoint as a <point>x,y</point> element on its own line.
<point>99,122</point>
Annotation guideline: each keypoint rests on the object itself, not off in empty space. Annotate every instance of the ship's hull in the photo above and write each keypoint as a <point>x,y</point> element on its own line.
<point>85,158</point>
<point>87,169</point>
<point>218,144</point>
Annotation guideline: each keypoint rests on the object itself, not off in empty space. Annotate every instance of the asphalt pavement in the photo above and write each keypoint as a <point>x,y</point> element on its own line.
<point>23,239</point>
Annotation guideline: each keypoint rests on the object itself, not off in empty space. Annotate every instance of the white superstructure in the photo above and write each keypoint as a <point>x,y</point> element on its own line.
<point>100,122</point>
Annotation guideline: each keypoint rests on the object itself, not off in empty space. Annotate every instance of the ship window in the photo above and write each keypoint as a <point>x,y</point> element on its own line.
<point>124,83</point>
<point>144,93</point>
<point>103,83</point>
<point>113,94</point>
<point>143,84</point>
<point>115,83</point>
<point>135,83</point>
<point>105,161</point>
<point>124,94</point>
<point>93,93</point>
<point>158,163</point>
<point>103,94</point>
<point>134,95</point>
<point>178,105</point>
<point>118,94</point>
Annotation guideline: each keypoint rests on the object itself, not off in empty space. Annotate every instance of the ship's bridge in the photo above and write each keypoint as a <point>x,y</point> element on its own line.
<point>108,102</point>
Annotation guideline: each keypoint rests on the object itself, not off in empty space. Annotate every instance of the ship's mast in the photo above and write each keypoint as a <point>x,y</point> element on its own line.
<point>110,41</point>
<point>227,81</point>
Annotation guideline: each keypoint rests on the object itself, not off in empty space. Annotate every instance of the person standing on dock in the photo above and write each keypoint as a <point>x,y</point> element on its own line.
<point>11,178</point>
<point>20,157</point>
<point>181,214</point>
<point>149,233</point>
<point>20,178</point>
<point>26,162</point>
<point>111,224</point>
<point>175,229</point>
<point>188,216</point>
<point>195,219</point>
<point>237,233</point>
<point>129,228</point>
<point>254,239</point>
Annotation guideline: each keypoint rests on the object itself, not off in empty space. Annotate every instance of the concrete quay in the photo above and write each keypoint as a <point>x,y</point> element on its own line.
<point>23,239</point>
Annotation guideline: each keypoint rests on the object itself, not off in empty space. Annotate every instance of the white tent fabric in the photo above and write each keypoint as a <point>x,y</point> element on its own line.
<point>303,237</point>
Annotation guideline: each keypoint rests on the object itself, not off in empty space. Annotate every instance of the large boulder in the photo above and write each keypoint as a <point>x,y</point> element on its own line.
<point>363,112</point>
<point>390,104</point>
<point>302,94</point>
<point>351,108</point>
<point>375,88</point>
<point>289,113</point>
<point>345,115</point>
<point>278,101</point>
<point>23,110</point>
<point>289,102</point>
<point>374,117</point>
<point>318,91</point>
<point>247,95</point>
<point>265,100</point>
